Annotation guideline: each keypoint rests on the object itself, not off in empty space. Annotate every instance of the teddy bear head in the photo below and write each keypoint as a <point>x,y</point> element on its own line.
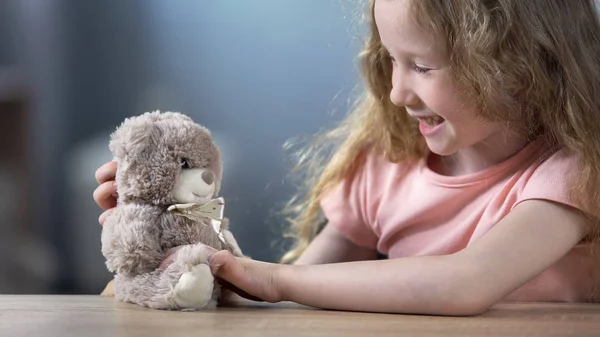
<point>164,159</point>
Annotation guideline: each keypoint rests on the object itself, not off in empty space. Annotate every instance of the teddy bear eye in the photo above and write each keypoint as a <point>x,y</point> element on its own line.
<point>185,164</point>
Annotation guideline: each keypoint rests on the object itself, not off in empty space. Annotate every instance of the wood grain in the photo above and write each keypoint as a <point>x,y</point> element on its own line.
<point>50,316</point>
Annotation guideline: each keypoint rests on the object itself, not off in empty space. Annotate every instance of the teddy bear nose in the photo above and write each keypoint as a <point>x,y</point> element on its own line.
<point>208,177</point>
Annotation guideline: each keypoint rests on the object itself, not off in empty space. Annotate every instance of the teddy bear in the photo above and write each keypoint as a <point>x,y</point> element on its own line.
<point>169,173</point>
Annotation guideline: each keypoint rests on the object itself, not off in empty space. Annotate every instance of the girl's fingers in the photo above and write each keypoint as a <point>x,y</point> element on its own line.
<point>106,172</point>
<point>223,262</point>
<point>248,278</point>
<point>103,216</point>
<point>105,195</point>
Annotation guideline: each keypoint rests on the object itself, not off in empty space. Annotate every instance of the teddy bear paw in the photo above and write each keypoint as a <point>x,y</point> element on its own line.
<point>194,288</point>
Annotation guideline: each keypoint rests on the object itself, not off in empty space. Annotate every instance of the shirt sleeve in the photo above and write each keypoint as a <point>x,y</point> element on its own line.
<point>552,180</point>
<point>345,207</point>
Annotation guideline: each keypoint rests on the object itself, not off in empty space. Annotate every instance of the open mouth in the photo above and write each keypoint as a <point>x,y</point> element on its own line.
<point>428,126</point>
<point>432,121</point>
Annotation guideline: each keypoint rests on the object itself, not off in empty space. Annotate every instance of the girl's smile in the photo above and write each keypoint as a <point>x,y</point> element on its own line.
<point>430,125</point>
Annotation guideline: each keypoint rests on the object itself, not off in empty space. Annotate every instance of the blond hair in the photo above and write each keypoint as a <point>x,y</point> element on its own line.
<point>533,64</point>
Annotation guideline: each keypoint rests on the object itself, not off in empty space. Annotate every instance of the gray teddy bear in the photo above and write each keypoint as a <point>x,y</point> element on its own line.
<point>169,174</point>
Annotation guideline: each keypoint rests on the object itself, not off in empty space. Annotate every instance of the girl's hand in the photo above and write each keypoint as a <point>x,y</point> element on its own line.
<point>105,195</point>
<point>254,280</point>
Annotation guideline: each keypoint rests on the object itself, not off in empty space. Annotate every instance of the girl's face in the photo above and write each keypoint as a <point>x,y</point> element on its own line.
<point>422,83</point>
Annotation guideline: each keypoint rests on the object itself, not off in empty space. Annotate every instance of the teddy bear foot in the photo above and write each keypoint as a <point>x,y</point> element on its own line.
<point>194,288</point>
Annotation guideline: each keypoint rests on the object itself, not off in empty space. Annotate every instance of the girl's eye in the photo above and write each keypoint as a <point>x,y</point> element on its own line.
<point>185,164</point>
<point>420,70</point>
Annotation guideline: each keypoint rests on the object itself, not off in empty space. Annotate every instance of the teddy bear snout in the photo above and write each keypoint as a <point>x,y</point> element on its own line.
<point>208,177</point>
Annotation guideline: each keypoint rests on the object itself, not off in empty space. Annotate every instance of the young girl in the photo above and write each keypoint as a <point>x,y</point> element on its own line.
<point>473,162</point>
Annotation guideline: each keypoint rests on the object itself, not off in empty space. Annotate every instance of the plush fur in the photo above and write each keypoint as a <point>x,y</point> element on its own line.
<point>163,159</point>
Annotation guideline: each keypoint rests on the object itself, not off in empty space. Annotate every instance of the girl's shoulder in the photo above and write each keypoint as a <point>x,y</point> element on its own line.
<point>551,176</point>
<point>558,165</point>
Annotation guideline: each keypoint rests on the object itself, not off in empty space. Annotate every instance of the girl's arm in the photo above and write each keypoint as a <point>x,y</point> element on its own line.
<point>529,240</point>
<point>329,246</point>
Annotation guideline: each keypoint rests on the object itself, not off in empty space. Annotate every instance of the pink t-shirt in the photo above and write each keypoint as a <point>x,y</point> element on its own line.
<point>407,210</point>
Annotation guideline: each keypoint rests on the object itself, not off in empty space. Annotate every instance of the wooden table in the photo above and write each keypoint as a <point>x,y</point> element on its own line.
<point>65,316</point>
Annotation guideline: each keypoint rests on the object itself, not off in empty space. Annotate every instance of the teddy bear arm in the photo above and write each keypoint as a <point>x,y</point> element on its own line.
<point>131,247</point>
<point>186,284</point>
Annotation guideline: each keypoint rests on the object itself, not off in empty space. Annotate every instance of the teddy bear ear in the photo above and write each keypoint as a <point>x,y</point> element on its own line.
<point>117,145</point>
<point>133,138</point>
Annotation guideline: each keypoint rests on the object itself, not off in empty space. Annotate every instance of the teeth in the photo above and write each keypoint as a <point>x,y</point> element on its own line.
<point>432,121</point>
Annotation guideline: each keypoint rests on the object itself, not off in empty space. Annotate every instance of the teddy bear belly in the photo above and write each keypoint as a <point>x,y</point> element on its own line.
<point>190,232</point>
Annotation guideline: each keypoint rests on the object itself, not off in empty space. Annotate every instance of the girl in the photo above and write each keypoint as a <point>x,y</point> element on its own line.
<point>473,162</point>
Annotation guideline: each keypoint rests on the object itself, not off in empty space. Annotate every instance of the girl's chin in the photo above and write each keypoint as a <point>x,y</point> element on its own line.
<point>441,149</point>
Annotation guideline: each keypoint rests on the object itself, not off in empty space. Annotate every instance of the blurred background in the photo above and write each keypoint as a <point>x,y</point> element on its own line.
<point>255,72</point>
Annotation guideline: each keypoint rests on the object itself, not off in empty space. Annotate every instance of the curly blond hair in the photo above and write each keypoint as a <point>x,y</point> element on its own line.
<point>533,64</point>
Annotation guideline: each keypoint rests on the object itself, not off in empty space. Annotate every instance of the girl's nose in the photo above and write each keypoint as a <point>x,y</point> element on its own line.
<point>402,93</point>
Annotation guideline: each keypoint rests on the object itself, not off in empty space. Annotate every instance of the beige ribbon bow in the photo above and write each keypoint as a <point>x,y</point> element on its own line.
<point>198,212</point>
